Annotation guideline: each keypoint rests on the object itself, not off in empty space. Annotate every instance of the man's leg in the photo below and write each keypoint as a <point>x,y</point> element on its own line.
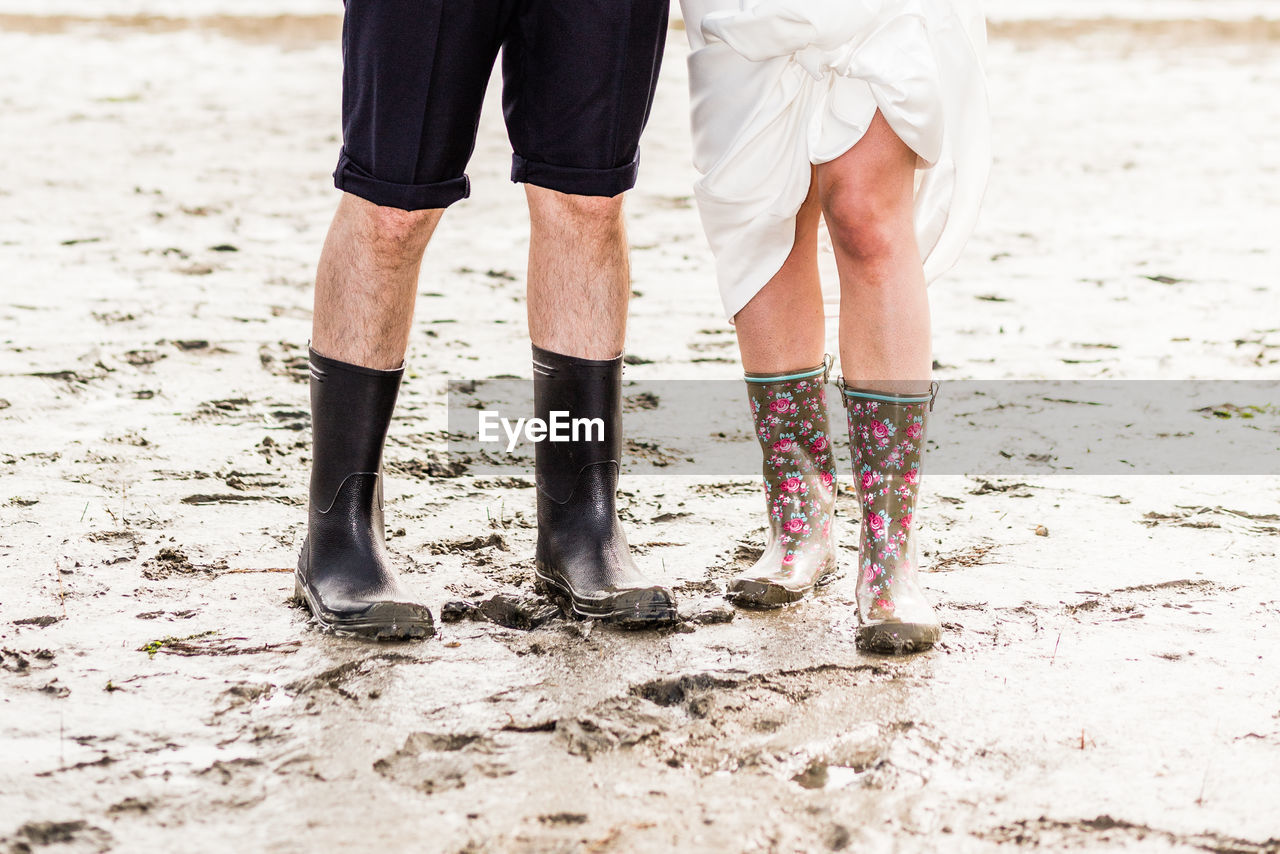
<point>575,105</point>
<point>579,274</point>
<point>365,291</point>
<point>579,284</point>
<point>414,76</point>
<point>367,282</point>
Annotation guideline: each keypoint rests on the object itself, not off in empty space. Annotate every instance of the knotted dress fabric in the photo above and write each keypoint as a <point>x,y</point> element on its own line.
<point>780,85</point>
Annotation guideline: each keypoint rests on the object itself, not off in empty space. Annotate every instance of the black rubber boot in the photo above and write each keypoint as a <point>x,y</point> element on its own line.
<point>583,558</point>
<point>344,573</point>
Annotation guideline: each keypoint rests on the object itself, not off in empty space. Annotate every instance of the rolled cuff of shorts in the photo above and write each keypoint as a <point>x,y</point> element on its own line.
<point>351,178</point>
<point>577,182</point>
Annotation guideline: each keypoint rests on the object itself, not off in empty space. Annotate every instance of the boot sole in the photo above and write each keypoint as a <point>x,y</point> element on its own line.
<point>897,638</point>
<point>639,609</point>
<point>765,596</point>
<point>389,621</point>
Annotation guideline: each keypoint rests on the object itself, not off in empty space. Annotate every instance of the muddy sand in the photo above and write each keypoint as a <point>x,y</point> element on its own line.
<point>1108,678</point>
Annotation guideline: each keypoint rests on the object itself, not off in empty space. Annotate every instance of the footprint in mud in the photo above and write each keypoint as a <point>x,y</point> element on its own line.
<point>479,551</point>
<point>208,643</point>
<point>25,661</point>
<point>227,770</point>
<point>706,610</point>
<point>687,689</point>
<point>197,346</point>
<point>243,481</point>
<point>640,402</point>
<point>201,499</point>
<point>437,762</point>
<point>336,679</point>
<point>969,556</point>
<point>431,463</point>
<point>470,544</point>
<point>1114,834</point>
<point>644,451</point>
<point>138,806</point>
<point>78,378</point>
<point>243,694</point>
<point>986,625</point>
<point>41,622</point>
<point>1193,516</point>
<point>523,612</point>
<point>739,558</point>
<point>901,754</point>
<point>1009,489</point>
<point>41,834</point>
<point>696,586</point>
<point>284,414</point>
<point>286,359</point>
<point>241,779</point>
<point>502,483</point>
<point>102,548</point>
<point>837,762</point>
<point>142,359</point>
<point>617,722</point>
<point>730,719</point>
<point>711,346</point>
<point>1132,602</point>
<point>170,561</point>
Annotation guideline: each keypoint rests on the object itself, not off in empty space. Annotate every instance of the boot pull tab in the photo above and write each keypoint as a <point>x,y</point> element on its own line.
<point>844,388</point>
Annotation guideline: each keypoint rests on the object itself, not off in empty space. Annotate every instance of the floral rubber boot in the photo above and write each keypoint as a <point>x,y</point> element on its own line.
<point>790,413</point>
<point>887,435</point>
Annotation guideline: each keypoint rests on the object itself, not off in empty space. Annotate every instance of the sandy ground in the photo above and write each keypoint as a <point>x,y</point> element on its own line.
<point>164,193</point>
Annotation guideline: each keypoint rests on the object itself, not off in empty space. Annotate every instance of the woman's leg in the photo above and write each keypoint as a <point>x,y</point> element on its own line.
<point>867,197</point>
<point>780,333</point>
<point>781,329</point>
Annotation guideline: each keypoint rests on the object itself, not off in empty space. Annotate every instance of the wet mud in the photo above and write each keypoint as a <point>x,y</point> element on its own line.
<point>1107,675</point>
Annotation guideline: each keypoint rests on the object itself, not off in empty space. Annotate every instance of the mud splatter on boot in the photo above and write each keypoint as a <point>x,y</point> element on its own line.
<point>790,413</point>
<point>887,432</point>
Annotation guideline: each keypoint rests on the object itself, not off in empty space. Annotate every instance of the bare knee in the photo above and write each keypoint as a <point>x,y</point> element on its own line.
<point>866,226</point>
<point>391,232</point>
<point>590,217</point>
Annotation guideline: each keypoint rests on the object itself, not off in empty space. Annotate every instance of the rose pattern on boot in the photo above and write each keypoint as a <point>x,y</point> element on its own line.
<point>887,439</point>
<point>790,418</point>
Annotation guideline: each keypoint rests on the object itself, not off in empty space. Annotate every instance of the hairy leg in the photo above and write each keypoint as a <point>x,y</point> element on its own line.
<point>781,328</point>
<point>867,196</point>
<point>579,274</point>
<point>367,282</point>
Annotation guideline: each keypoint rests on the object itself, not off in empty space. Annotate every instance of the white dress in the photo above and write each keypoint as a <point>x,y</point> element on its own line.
<point>777,85</point>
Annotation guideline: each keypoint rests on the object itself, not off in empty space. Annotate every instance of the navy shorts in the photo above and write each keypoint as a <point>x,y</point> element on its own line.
<point>577,84</point>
